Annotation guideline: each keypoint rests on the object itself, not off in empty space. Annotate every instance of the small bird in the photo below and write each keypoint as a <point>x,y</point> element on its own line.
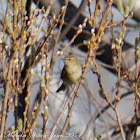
<point>71,72</point>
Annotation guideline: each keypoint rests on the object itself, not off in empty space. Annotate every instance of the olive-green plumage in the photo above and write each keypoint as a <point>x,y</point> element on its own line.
<point>71,72</point>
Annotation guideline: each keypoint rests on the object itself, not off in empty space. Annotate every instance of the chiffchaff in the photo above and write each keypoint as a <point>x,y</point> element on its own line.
<point>71,72</point>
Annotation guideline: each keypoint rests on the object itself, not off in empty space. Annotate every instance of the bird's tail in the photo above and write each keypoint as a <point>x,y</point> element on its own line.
<point>62,87</point>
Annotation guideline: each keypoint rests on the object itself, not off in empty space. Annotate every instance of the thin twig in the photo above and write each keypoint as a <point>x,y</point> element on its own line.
<point>57,38</point>
<point>73,20</point>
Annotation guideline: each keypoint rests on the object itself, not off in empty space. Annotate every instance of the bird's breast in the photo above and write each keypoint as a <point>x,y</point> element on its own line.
<point>74,73</point>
